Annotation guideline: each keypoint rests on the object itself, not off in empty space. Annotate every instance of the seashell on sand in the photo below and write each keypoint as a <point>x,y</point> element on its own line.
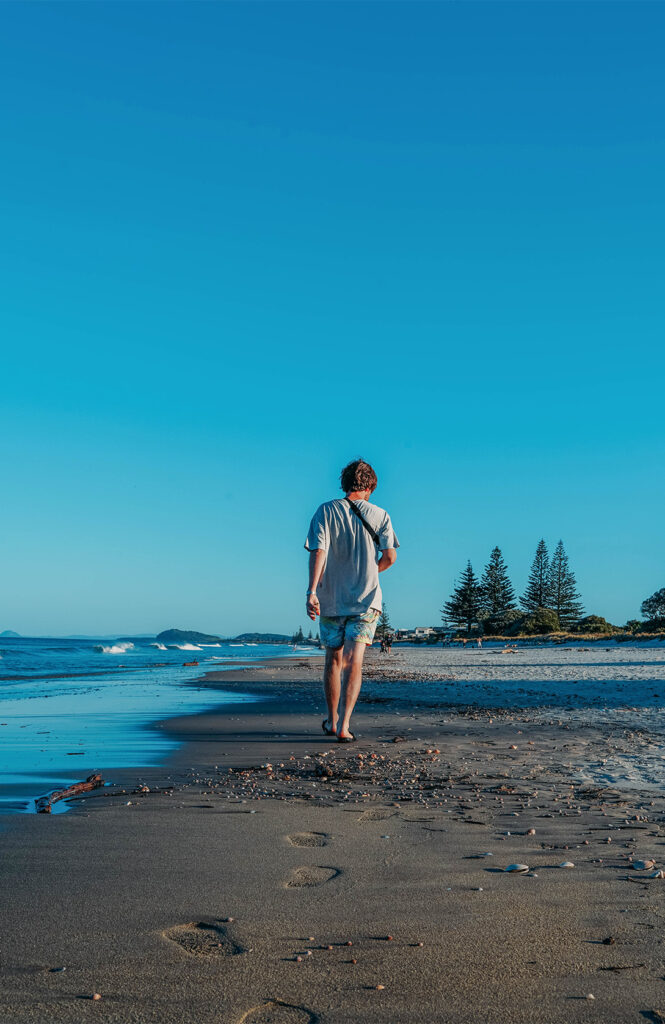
<point>520,869</point>
<point>657,874</point>
<point>566,864</point>
<point>643,865</point>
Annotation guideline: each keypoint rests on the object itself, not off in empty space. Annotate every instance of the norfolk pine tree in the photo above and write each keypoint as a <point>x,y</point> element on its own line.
<point>537,593</point>
<point>564,598</point>
<point>497,594</point>
<point>463,607</point>
<point>383,626</point>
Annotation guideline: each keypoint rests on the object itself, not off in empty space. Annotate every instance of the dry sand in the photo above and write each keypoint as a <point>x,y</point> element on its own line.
<point>261,842</point>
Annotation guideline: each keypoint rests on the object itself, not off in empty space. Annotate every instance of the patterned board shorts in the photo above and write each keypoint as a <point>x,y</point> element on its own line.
<point>335,629</point>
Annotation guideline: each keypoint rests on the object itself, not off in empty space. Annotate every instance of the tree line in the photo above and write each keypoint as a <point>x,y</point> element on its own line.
<point>550,601</point>
<point>299,637</point>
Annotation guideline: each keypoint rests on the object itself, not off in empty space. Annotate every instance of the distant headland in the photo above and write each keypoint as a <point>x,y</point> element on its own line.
<point>189,636</point>
<point>193,636</point>
<point>9,632</point>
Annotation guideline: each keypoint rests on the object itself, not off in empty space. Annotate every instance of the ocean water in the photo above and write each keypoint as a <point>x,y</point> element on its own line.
<point>69,706</point>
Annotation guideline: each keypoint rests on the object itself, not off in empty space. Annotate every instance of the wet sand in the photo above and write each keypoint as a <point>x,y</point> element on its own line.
<point>349,867</point>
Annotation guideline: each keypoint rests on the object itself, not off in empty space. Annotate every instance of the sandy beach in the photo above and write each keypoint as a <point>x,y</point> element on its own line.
<point>266,875</point>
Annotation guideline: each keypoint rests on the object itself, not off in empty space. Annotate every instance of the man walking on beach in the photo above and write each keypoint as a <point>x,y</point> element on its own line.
<point>350,542</point>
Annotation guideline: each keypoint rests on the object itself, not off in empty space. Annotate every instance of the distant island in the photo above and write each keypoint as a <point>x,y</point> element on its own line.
<point>264,638</point>
<point>9,632</point>
<point>190,636</point>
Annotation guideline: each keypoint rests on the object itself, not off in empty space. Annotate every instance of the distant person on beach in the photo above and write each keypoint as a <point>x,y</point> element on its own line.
<point>350,542</point>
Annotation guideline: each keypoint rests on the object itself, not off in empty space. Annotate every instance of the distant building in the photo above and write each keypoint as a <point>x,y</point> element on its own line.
<point>419,634</point>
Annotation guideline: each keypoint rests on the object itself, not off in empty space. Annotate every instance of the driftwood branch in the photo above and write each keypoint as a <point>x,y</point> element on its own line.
<point>43,803</point>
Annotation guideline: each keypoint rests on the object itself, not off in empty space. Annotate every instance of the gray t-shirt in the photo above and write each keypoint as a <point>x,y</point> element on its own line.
<point>350,581</point>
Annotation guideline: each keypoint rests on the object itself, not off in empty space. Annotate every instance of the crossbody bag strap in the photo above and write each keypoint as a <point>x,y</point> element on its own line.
<point>356,511</point>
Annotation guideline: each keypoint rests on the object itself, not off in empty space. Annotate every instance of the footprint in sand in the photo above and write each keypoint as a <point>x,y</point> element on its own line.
<point>308,839</point>
<point>377,814</point>
<point>205,938</point>
<point>276,1012</point>
<point>306,877</point>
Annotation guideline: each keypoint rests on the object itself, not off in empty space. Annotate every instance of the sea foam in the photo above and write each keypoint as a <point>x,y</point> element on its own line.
<point>114,648</point>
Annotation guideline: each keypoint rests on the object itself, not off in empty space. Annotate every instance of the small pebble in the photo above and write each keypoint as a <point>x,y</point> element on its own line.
<point>353,960</point>
<point>349,943</point>
<point>380,987</point>
<point>591,996</point>
<point>298,959</point>
<point>95,997</point>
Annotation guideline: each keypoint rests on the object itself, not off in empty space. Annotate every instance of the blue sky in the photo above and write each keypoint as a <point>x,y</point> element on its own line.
<point>244,243</point>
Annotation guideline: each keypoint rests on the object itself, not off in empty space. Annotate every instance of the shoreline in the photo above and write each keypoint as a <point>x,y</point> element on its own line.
<point>59,726</point>
<point>194,901</point>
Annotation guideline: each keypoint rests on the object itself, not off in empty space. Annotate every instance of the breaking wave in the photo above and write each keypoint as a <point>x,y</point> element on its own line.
<point>114,648</point>
<point>160,647</point>
<point>187,647</point>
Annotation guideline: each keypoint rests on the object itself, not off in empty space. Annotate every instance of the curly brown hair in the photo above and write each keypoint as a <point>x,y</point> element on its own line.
<point>358,476</point>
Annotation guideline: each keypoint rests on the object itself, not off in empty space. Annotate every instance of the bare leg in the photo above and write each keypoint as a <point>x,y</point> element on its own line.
<point>331,683</point>
<point>352,677</point>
